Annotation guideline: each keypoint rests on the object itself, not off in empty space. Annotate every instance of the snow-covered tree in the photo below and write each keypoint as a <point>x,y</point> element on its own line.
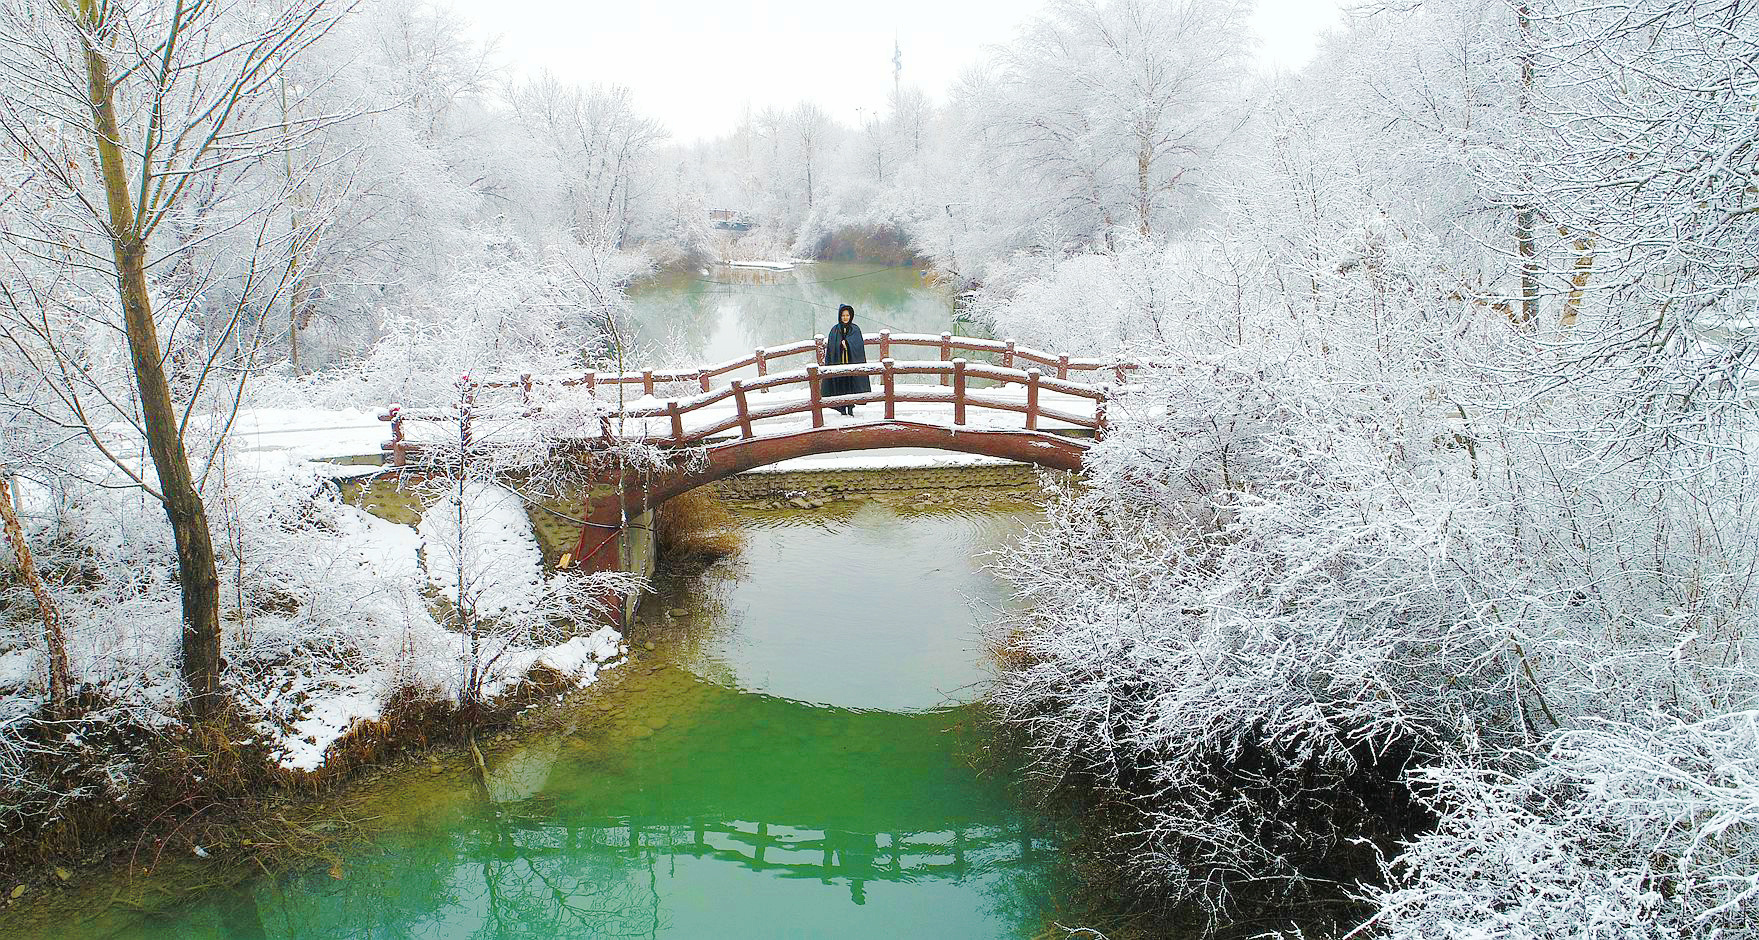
<point>135,132</point>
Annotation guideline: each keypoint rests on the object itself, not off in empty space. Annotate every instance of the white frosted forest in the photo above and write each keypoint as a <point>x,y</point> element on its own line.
<point>1423,548</point>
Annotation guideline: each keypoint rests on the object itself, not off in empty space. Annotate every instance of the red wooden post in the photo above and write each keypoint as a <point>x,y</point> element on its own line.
<point>818,345</point>
<point>398,452</point>
<point>1063,367</point>
<point>592,383</point>
<point>959,391</point>
<point>891,378</point>
<point>818,414</point>
<point>1120,371</point>
<point>1099,413</point>
<point>647,382</point>
<point>885,344</point>
<point>744,409</point>
<point>677,421</point>
<point>702,378</point>
<point>1032,377</point>
<point>1008,356</point>
<point>763,362</point>
<point>946,352</point>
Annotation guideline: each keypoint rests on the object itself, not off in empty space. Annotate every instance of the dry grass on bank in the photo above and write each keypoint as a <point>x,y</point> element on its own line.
<point>213,786</point>
<point>698,524</point>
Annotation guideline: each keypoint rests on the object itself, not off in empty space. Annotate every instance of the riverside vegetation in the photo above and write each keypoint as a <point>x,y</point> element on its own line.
<point>1416,570</point>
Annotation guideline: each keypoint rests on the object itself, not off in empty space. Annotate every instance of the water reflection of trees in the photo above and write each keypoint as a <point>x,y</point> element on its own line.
<point>502,879</point>
<point>568,837</point>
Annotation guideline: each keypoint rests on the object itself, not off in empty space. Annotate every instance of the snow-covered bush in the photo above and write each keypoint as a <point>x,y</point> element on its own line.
<point>1146,298</point>
<point>1280,598</point>
<point>1619,831</point>
<point>479,555</point>
<point>1254,614</point>
<point>1419,519</point>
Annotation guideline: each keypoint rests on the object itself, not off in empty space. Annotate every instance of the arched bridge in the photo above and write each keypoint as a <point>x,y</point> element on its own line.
<point>716,421</point>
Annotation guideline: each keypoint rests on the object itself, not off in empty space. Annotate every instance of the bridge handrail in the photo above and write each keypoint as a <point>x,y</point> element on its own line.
<point>956,373</point>
<point>761,357</point>
<point>972,370</point>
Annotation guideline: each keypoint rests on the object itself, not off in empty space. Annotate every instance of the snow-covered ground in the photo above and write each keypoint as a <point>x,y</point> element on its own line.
<point>384,570</point>
<point>477,544</point>
<point>787,264</point>
<point>310,433</point>
<point>340,613</point>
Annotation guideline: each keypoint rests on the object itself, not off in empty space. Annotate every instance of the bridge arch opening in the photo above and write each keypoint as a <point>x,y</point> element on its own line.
<point>1051,451</point>
<point>727,459</point>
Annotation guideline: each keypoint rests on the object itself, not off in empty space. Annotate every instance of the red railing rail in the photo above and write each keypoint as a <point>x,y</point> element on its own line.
<point>946,344</point>
<point>953,387</point>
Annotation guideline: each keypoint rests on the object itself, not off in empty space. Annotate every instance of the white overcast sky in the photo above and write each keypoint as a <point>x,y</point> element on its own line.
<point>695,64</point>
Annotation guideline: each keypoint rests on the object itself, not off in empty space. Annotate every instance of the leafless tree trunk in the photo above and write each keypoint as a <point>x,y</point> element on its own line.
<point>1144,188</point>
<point>196,573</point>
<point>54,638</point>
<point>299,292</point>
<point>166,98</point>
<point>810,123</point>
<point>1525,215</point>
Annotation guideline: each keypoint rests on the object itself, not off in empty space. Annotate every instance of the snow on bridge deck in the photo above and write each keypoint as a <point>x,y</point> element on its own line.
<point>649,422</point>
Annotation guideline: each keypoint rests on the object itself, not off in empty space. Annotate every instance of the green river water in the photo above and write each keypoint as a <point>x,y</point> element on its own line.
<point>724,313</point>
<point>797,756</point>
<point>794,759</point>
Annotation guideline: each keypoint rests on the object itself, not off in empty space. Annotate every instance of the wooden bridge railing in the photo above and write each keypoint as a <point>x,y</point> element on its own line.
<point>946,344</point>
<point>953,387</point>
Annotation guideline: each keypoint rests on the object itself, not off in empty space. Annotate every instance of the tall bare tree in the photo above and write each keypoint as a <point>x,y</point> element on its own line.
<point>1107,106</point>
<point>599,144</point>
<point>140,127</point>
<point>811,126</point>
<point>1526,216</point>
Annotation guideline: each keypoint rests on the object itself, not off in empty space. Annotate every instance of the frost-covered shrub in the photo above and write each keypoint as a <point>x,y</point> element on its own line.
<point>1253,615</point>
<point>1621,831</point>
<point>1281,592</point>
<point>1146,298</point>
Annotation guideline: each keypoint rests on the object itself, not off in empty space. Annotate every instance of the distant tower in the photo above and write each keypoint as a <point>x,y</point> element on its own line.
<point>897,67</point>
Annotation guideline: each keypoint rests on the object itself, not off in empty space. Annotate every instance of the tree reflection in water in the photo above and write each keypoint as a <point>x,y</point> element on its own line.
<point>733,815</point>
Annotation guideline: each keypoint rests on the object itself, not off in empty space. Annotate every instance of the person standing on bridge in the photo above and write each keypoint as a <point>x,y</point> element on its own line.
<point>845,346</point>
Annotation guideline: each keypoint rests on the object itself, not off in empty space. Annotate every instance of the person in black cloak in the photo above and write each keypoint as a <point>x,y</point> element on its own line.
<point>844,346</point>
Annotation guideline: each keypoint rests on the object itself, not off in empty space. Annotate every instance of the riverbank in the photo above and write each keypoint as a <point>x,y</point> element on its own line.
<point>208,810</point>
<point>646,703</point>
<point>346,650</point>
<point>287,826</point>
